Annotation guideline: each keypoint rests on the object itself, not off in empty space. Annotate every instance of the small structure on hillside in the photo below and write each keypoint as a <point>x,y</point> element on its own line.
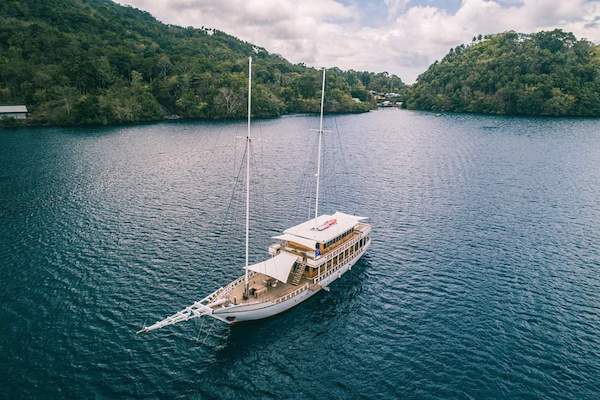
<point>16,112</point>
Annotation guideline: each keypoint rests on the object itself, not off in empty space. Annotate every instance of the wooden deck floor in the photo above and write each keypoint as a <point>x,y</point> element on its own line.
<point>257,281</point>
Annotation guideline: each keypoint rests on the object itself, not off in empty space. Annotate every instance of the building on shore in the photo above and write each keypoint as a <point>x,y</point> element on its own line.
<point>16,112</point>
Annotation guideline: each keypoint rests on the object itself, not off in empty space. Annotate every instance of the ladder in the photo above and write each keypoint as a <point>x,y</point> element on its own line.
<point>297,274</point>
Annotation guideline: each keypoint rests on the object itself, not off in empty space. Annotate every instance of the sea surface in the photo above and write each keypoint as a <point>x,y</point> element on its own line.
<point>482,281</point>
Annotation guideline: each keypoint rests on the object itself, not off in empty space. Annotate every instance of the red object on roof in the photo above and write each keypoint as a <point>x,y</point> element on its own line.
<point>327,224</point>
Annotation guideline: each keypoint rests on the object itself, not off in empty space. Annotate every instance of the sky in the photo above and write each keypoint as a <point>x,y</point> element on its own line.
<point>402,37</point>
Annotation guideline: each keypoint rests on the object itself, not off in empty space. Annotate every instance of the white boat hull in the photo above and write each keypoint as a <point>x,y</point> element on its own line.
<point>260,310</point>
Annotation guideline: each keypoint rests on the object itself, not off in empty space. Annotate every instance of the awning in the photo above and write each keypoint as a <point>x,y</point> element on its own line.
<point>278,267</point>
<point>311,244</point>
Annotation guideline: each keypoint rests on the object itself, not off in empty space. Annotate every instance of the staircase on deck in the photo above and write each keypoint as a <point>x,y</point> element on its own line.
<point>297,274</point>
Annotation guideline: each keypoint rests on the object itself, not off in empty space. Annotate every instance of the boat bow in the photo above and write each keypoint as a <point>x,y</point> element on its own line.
<point>196,310</point>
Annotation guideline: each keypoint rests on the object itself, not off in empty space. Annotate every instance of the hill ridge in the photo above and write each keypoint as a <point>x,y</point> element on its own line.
<point>97,62</point>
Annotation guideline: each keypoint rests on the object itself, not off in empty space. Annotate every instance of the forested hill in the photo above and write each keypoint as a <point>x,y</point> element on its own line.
<point>93,61</point>
<point>546,73</point>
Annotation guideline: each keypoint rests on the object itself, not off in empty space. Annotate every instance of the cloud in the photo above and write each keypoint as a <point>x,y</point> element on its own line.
<point>336,33</point>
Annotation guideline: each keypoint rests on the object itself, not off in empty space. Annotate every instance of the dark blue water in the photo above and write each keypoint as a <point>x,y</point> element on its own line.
<point>483,280</point>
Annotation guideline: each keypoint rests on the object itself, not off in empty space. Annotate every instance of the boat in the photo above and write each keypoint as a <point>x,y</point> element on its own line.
<point>304,259</point>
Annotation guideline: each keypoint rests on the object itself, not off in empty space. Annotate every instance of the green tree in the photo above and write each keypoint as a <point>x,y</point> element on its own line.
<point>545,73</point>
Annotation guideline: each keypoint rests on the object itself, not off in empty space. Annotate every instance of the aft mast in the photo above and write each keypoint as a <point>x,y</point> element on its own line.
<point>319,151</point>
<point>248,175</point>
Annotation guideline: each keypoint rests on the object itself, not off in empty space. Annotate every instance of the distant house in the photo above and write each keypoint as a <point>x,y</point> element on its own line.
<point>17,112</point>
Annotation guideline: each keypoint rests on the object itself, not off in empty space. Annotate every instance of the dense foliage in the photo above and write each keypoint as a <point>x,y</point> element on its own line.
<point>93,61</point>
<point>545,73</point>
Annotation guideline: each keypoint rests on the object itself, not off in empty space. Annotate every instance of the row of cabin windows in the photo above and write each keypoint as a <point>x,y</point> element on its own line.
<point>332,265</point>
<point>339,259</point>
<point>337,239</point>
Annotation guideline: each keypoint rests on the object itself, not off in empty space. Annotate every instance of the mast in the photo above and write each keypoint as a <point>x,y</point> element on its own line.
<point>248,173</point>
<point>319,151</point>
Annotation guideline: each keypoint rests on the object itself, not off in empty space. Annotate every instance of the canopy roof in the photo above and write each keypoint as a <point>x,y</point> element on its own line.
<point>328,227</point>
<point>297,239</point>
<point>278,267</point>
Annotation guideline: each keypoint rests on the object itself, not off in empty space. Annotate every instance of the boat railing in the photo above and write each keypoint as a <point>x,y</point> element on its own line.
<point>291,294</point>
<point>227,289</point>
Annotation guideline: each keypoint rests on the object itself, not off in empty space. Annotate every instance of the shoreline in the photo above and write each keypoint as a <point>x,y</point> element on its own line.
<point>19,125</point>
<point>524,116</point>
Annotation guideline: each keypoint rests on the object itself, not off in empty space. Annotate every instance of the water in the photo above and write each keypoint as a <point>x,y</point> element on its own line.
<point>482,281</point>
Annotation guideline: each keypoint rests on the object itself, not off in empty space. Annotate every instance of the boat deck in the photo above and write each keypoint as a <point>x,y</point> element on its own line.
<point>266,292</point>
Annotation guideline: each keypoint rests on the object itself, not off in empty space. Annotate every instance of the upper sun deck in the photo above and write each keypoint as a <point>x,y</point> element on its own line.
<point>312,239</point>
<point>325,227</point>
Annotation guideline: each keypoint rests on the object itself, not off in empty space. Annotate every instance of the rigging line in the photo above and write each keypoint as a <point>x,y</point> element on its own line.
<point>344,163</point>
<point>199,328</point>
<point>326,170</point>
<point>259,161</point>
<point>223,221</point>
<point>307,181</point>
<point>327,195</point>
<point>339,167</point>
<point>341,144</point>
<point>310,195</point>
<point>308,187</point>
<point>212,145</point>
<point>302,179</point>
<point>235,147</point>
<point>302,185</point>
<point>209,330</point>
<point>258,198</point>
<point>313,186</point>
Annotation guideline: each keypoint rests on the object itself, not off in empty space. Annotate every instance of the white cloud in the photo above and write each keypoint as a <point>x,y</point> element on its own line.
<point>331,33</point>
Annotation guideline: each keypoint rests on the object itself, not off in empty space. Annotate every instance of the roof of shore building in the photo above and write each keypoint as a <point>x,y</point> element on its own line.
<point>13,109</point>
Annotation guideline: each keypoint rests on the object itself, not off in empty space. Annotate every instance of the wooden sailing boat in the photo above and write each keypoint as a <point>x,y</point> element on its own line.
<point>304,259</point>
